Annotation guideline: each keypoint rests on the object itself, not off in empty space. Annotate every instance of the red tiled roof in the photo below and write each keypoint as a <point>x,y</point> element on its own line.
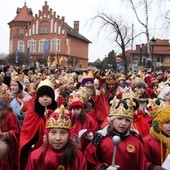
<point>23,14</point>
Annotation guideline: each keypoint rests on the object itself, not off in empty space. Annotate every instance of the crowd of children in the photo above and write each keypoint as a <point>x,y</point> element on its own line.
<point>69,120</point>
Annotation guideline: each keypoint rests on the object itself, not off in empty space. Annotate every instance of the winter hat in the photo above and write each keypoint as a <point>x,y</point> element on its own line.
<point>160,113</point>
<point>87,76</point>
<point>75,100</point>
<point>46,87</point>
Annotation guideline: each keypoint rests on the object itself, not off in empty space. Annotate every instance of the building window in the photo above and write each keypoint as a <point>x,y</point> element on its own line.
<point>42,30</point>
<point>58,45</point>
<point>20,46</point>
<point>21,31</point>
<point>55,45</point>
<point>160,59</point>
<point>43,46</point>
<point>32,46</point>
<point>46,29</point>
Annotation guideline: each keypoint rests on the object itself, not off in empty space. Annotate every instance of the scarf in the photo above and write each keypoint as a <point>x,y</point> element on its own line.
<point>163,140</point>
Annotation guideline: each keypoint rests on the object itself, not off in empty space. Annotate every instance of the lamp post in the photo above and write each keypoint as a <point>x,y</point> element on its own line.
<point>152,43</point>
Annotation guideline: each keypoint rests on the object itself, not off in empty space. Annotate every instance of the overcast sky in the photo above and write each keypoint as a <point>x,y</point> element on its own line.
<point>81,10</point>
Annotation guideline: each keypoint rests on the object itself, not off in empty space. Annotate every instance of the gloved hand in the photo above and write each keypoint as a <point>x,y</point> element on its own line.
<point>158,168</point>
<point>116,167</point>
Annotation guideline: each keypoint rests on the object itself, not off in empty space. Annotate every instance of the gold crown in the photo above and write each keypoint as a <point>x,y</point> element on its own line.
<point>18,77</point>
<point>60,118</point>
<point>67,78</point>
<point>75,99</point>
<point>128,93</point>
<point>118,109</point>
<point>121,77</point>
<point>46,82</point>
<point>87,75</point>
<point>4,95</point>
<point>110,79</point>
<point>157,105</point>
<point>95,71</point>
<point>86,95</point>
<point>138,79</point>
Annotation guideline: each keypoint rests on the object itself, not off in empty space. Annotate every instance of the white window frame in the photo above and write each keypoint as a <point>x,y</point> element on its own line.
<point>32,46</point>
<point>21,46</point>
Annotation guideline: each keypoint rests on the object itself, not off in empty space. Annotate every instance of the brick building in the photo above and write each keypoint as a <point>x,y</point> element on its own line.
<point>160,50</point>
<point>47,37</point>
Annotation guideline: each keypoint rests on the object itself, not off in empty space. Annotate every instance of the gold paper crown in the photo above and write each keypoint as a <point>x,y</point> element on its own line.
<point>128,93</point>
<point>18,77</point>
<point>60,118</point>
<point>87,75</point>
<point>121,77</point>
<point>67,78</point>
<point>75,99</point>
<point>118,109</point>
<point>157,105</point>
<point>4,95</point>
<point>95,71</point>
<point>110,79</point>
<point>84,93</point>
<point>46,82</point>
<point>138,79</point>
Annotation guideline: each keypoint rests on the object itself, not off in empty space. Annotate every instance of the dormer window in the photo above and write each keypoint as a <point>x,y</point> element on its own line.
<point>21,31</point>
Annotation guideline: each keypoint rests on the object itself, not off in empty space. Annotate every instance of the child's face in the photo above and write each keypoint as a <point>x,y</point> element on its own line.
<point>167,97</point>
<point>76,111</point>
<point>166,128</point>
<point>45,100</point>
<point>121,124</point>
<point>14,87</point>
<point>58,138</point>
<point>89,84</point>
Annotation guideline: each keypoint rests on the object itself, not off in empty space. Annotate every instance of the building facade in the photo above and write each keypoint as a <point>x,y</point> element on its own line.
<point>160,51</point>
<point>47,38</point>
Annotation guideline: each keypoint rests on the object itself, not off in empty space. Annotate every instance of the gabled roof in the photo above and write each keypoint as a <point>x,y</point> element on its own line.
<point>71,32</point>
<point>23,14</point>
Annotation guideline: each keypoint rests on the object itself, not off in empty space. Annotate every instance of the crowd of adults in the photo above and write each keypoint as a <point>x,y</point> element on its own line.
<point>84,119</point>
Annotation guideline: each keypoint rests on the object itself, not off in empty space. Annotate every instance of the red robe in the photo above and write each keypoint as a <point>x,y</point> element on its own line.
<point>142,123</point>
<point>129,154</point>
<point>152,151</point>
<point>101,108</point>
<point>90,124</point>
<point>12,128</point>
<point>53,160</point>
<point>31,136</point>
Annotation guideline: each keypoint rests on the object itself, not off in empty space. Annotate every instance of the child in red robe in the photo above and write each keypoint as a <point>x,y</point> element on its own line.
<point>58,151</point>
<point>99,153</point>
<point>157,142</point>
<point>9,134</point>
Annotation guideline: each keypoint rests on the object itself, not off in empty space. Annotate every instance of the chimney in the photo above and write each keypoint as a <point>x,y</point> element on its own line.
<point>76,26</point>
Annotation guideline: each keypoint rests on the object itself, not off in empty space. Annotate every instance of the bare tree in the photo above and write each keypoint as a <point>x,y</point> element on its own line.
<point>119,31</point>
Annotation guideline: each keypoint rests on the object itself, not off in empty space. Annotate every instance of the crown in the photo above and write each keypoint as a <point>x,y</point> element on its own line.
<point>95,71</point>
<point>110,79</point>
<point>87,76</point>
<point>157,105</point>
<point>60,118</point>
<point>85,94</point>
<point>118,108</point>
<point>67,78</point>
<point>75,99</point>
<point>18,77</point>
<point>46,82</point>
<point>121,77</point>
<point>128,93</point>
<point>4,95</point>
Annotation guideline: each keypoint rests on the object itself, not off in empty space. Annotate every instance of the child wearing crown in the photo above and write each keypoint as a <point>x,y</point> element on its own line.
<point>58,151</point>
<point>31,135</point>
<point>81,121</point>
<point>9,134</point>
<point>157,142</point>
<point>99,153</point>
